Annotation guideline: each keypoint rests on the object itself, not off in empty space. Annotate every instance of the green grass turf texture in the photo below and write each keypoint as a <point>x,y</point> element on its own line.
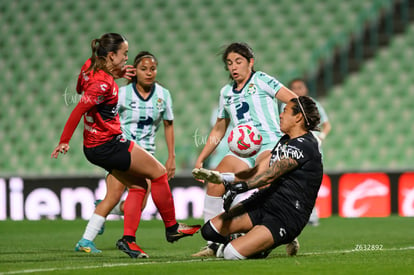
<point>47,247</point>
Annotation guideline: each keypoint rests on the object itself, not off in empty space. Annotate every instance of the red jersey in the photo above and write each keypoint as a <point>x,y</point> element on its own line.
<point>98,105</point>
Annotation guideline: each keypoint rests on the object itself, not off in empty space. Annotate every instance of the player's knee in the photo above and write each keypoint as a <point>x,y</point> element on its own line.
<point>209,233</point>
<point>230,253</point>
<point>215,190</point>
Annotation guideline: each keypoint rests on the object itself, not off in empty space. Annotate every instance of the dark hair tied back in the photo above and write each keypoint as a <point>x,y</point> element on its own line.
<point>237,47</point>
<point>100,50</point>
<point>109,42</point>
<point>307,107</point>
<point>141,55</point>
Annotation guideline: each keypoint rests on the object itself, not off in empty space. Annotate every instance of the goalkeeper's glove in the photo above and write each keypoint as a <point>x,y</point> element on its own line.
<point>232,190</point>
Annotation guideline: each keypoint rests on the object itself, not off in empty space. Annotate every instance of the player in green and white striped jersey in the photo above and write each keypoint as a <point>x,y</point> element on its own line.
<point>141,113</point>
<point>142,105</point>
<point>250,98</point>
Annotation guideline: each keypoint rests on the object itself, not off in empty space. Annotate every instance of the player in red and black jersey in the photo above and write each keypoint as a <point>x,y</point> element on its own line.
<point>105,147</point>
<point>98,103</point>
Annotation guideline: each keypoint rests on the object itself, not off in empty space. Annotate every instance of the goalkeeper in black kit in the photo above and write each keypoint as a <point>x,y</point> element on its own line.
<point>278,212</point>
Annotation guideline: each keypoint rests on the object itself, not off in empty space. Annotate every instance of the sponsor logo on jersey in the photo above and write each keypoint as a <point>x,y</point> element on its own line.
<point>229,100</point>
<point>273,84</point>
<point>90,129</point>
<point>283,151</point>
<point>282,232</point>
<point>104,87</point>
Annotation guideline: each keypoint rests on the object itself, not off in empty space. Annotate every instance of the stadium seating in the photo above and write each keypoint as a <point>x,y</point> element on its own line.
<point>45,43</point>
<point>371,112</point>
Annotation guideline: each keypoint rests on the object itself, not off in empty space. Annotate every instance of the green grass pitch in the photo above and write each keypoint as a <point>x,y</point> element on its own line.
<point>336,246</point>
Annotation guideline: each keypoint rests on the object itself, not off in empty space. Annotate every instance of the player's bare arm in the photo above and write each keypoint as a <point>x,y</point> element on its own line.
<point>246,174</point>
<point>278,169</point>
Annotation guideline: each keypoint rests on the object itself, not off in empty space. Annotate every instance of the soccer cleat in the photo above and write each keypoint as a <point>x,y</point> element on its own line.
<point>209,250</point>
<point>207,175</point>
<point>86,246</point>
<point>292,247</point>
<point>102,230</point>
<point>131,248</point>
<point>183,230</point>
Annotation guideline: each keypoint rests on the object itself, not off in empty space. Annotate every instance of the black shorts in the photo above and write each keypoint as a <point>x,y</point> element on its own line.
<point>115,154</point>
<point>284,226</point>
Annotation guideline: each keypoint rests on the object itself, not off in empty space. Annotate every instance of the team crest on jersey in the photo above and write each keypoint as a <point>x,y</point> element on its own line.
<point>100,99</point>
<point>251,89</point>
<point>159,104</point>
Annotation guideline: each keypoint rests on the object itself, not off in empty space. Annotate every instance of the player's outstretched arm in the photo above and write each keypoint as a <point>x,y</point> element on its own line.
<point>246,174</point>
<point>278,169</point>
<point>61,148</point>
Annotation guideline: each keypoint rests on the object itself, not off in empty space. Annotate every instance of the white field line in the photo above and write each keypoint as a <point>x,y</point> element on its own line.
<point>39,270</point>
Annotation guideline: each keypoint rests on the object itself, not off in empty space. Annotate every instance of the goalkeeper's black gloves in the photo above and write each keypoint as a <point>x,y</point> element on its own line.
<point>231,192</point>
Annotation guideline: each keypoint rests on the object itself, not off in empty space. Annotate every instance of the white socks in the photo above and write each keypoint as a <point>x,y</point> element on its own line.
<point>212,207</point>
<point>94,225</point>
<point>228,177</point>
<point>230,253</point>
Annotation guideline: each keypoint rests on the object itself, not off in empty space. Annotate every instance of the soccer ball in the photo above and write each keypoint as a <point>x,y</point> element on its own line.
<point>245,141</point>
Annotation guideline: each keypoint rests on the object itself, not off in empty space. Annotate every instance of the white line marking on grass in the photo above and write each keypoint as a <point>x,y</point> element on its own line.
<point>355,251</point>
<point>189,261</point>
<point>104,265</point>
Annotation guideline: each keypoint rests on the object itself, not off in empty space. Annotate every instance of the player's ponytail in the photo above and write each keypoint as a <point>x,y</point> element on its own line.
<point>94,46</point>
<point>109,42</point>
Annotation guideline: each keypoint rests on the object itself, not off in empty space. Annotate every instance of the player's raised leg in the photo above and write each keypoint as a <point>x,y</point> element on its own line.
<point>213,201</point>
<point>143,164</point>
